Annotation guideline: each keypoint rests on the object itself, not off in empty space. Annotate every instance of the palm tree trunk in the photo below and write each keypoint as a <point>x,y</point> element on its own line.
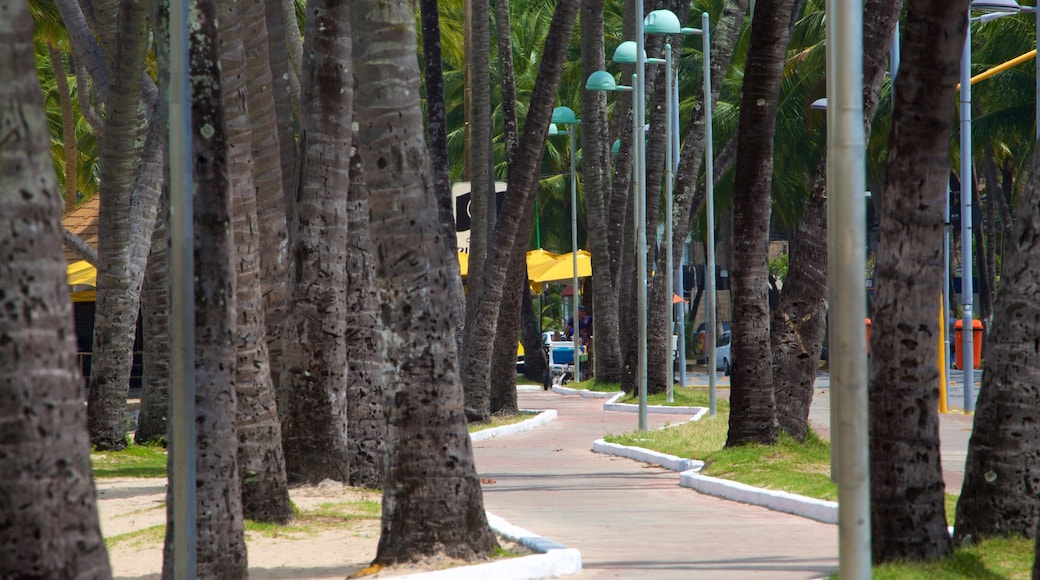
<point>68,126</point>
<point>596,162</point>
<point>906,484</point>
<point>437,131</point>
<point>119,278</point>
<point>998,497</point>
<point>752,405</point>
<point>315,341</point>
<point>261,464</point>
<point>476,356</point>
<point>219,525</point>
<point>51,527</point>
<point>366,414</point>
<point>155,303</point>
<point>798,323</point>
<point>432,500</point>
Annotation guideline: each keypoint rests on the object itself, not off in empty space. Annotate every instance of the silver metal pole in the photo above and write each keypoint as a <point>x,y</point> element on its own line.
<point>576,335</point>
<point>946,296</point>
<point>710,323</point>
<point>182,300</point>
<point>669,269</point>
<point>639,112</point>
<point>846,182</point>
<point>967,287</point>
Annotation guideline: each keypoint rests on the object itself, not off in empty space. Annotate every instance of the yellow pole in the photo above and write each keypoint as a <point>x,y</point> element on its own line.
<point>1001,67</point>
<point>942,355</point>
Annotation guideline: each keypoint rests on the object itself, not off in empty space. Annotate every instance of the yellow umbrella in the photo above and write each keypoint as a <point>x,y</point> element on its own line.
<point>538,257</point>
<point>562,268</point>
<point>82,272</point>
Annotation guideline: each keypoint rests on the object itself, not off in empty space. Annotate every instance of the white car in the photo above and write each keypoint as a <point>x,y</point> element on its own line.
<point>723,354</point>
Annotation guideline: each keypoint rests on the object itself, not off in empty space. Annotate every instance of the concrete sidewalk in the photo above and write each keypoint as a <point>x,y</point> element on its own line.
<point>631,520</point>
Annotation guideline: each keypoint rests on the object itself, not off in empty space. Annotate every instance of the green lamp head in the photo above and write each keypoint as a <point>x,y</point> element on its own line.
<point>661,22</point>
<point>564,116</point>
<point>601,80</point>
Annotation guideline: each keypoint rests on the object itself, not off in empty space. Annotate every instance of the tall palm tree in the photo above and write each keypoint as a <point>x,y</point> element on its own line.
<point>315,348</point>
<point>753,408</point>
<point>119,278</point>
<point>51,526</point>
<point>998,496</point>
<point>366,415</point>
<point>798,323</point>
<point>476,356</point>
<point>906,485</point>
<point>261,464</point>
<point>221,551</point>
<point>432,499</point>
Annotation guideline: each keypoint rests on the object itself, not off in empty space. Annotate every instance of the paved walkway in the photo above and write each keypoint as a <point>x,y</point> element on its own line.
<point>631,520</point>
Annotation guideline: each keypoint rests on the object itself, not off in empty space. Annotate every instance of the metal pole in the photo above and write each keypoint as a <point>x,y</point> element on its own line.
<point>576,335</point>
<point>669,269</point>
<point>846,246</point>
<point>967,287</point>
<point>681,342</point>
<point>638,111</point>
<point>182,300</point>
<point>710,324</point>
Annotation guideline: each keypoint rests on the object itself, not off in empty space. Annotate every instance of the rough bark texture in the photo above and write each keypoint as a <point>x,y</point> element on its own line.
<point>221,551</point>
<point>799,322</point>
<point>476,359</point>
<point>1001,491</point>
<point>261,464</point>
<point>596,163</point>
<point>437,140</point>
<point>366,419</point>
<point>906,484</point>
<point>315,341</point>
<point>119,278</point>
<point>155,333</point>
<point>432,500</point>
<point>752,416</point>
<point>49,525</point>
<point>276,267</point>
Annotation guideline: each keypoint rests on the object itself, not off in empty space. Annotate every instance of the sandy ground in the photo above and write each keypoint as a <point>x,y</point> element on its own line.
<point>129,505</point>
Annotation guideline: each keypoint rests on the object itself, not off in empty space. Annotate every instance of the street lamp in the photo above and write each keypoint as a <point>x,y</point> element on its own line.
<point>666,22</point>
<point>565,116</point>
<point>604,81</point>
<point>997,9</point>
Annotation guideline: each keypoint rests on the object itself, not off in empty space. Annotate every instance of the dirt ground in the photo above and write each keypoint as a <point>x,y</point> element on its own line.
<point>131,505</point>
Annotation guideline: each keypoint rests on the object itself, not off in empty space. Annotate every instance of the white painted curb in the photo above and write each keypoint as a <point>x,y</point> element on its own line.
<point>781,501</point>
<point>541,418</point>
<point>554,560</point>
<point>639,454</point>
<point>585,393</point>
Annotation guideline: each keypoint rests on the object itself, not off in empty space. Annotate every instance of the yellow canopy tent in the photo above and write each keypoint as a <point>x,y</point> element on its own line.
<point>535,258</point>
<point>562,268</point>
<point>83,279</point>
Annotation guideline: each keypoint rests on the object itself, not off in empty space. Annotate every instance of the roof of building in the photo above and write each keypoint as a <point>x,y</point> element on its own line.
<point>82,221</point>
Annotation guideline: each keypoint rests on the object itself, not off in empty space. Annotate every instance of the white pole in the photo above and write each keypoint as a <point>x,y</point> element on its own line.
<point>576,334</point>
<point>846,246</point>
<point>182,299</point>
<point>967,286</point>
<point>639,114</point>
<point>669,269</point>
<point>710,324</point>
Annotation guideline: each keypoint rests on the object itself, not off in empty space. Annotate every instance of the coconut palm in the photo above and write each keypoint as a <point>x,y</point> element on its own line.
<point>51,526</point>
<point>753,416</point>
<point>432,500</point>
<point>998,498</point>
<point>315,341</point>
<point>906,483</point>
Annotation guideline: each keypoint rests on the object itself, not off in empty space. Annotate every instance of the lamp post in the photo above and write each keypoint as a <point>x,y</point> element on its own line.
<point>666,22</point>
<point>604,81</point>
<point>565,116</point>
<point>997,9</point>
